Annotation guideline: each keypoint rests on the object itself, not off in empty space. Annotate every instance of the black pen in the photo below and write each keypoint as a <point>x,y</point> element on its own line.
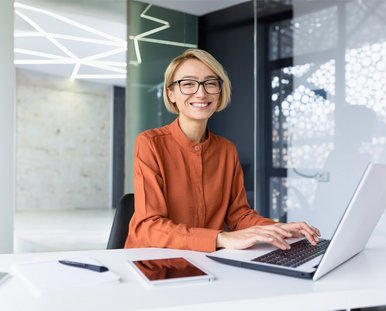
<point>84,265</point>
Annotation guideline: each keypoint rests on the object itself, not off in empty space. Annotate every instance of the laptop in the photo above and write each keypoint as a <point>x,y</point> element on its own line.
<point>350,237</point>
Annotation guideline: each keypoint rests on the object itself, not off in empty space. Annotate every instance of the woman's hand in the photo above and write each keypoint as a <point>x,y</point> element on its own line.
<point>272,234</point>
<point>301,229</point>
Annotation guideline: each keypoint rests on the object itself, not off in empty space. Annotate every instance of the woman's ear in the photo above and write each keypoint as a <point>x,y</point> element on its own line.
<point>171,95</point>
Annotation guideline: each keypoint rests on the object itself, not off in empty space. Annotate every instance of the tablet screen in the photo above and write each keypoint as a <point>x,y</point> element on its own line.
<point>157,270</point>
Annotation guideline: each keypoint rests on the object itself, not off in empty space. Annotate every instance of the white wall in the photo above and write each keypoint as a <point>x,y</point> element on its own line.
<point>7,123</point>
<point>347,129</point>
<point>62,142</point>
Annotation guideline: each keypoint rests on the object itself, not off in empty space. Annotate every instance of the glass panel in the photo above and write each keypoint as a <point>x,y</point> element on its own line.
<point>300,194</point>
<point>278,190</point>
<point>156,35</point>
<point>315,30</point>
<point>303,102</point>
<point>281,88</point>
<point>340,109</point>
<point>310,115</point>
<point>302,128</point>
<point>280,34</point>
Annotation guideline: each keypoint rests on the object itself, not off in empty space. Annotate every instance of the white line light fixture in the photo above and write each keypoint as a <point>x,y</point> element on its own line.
<point>112,45</point>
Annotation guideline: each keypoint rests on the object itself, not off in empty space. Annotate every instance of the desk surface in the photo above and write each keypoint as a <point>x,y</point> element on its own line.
<point>359,282</point>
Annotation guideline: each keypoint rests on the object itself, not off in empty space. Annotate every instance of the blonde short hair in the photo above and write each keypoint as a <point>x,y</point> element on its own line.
<point>209,61</point>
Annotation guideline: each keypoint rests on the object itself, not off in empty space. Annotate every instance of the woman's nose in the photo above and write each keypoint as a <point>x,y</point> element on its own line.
<point>201,90</point>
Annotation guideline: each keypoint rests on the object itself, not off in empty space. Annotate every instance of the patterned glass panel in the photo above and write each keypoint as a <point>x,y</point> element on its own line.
<point>278,190</point>
<point>280,34</point>
<point>281,84</point>
<point>302,115</point>
<point>314,32</point>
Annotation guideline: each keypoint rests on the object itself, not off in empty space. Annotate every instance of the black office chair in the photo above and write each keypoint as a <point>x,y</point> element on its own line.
<point>120,227</point>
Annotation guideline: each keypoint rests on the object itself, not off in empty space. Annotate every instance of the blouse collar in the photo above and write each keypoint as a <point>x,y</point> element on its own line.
<point>184,141</point>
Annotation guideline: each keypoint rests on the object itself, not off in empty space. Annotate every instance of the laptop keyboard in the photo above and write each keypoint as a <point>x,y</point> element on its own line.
<point>300,252</point>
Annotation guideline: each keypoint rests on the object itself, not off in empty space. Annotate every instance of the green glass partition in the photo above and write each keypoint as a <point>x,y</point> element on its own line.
<point>155,36</point>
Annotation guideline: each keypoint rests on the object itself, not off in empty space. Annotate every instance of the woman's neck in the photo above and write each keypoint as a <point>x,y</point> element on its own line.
<point>194,130</point>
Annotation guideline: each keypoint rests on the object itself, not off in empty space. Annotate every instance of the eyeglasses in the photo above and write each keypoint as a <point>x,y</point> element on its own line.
<point>190,87</point>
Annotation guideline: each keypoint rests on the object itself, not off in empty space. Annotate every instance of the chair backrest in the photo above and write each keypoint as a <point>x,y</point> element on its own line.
<point>120,226</point>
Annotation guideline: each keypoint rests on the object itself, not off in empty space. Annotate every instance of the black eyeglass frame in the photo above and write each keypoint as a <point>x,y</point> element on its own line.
<point>220,81</point>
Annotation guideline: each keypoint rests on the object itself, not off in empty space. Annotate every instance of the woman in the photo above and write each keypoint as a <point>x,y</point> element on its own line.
<point>188,182</point>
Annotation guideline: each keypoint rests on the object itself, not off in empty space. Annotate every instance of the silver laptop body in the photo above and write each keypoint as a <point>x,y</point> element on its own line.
<point>351,235</point>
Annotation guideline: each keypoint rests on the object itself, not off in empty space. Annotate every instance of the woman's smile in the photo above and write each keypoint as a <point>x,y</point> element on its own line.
<point>200,104</point>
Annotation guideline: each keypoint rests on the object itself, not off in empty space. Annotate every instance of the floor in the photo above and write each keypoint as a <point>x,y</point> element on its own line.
<point>58,230</point>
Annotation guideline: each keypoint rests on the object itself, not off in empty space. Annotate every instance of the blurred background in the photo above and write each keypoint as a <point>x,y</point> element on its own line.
<point>307,115</point>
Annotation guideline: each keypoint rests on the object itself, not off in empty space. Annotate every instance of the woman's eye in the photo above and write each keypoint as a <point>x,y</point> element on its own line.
<point>188,84</point>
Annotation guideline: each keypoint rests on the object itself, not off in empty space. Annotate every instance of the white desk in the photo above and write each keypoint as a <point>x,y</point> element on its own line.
<point>359,282</point>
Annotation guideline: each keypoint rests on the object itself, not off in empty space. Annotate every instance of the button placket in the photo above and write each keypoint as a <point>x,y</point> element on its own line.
<point>198,185</point>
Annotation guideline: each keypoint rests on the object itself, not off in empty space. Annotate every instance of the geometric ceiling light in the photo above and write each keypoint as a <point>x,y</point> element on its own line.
<point>92,54</point>
<point>63,46</point>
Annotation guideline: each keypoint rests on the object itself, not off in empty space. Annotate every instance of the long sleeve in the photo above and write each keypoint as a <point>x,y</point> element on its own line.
<point>185,192</point>
<point>151,225</point>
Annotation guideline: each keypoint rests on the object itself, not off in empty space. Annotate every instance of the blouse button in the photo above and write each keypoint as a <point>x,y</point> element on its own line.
<point>197,148</point>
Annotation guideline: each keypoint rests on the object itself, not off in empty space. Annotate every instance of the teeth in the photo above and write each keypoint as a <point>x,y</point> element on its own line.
<point>200,105</point>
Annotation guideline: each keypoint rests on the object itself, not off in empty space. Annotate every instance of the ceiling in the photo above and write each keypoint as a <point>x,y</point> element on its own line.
<point>195,7</point>
<point>81,42</point>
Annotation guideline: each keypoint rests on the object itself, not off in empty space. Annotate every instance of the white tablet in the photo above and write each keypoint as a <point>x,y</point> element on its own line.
<point>164,271</point>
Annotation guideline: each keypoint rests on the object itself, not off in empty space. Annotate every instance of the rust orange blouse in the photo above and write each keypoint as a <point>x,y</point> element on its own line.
<point>185,192</point>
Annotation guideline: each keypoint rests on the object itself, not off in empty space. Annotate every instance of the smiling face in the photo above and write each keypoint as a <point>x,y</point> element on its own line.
<point>201,105</point>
